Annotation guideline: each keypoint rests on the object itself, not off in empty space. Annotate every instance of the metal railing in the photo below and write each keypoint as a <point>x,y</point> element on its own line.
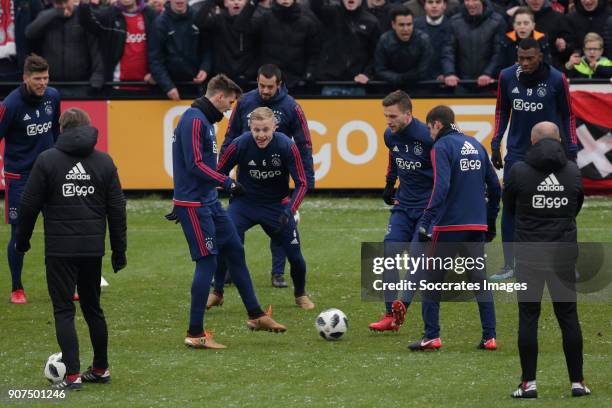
<point>373,89</point>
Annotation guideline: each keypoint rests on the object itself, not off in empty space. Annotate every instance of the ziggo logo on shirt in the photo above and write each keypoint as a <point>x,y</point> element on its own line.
<point>406,164</point>
<point>136,38</point>
<point>34,129</point>
<point>521,105</point>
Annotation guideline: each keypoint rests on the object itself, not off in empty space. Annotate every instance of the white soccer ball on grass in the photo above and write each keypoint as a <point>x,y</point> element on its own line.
<point>332,324</point>
<point>55,369</point>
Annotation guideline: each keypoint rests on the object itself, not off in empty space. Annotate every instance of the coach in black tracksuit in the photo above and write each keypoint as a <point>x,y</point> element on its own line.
<point>544,192</point>
<point>78,190</point>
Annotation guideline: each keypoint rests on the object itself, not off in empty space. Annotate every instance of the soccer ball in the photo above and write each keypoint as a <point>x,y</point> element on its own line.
<point>331,324</point>
<point>55,369</point>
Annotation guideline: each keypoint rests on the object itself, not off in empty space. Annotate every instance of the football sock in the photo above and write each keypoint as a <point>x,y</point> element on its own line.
<point>298,274</point>
<point>15,260</point>
<point>234,256</point>
<point>98,371</point>
<point>200,287</point>
<point>278,258</point>
<point>255,313</point>
<point>220,273</point>
<point>73,377</point>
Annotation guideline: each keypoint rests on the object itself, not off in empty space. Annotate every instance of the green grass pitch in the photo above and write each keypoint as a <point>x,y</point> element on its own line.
<point>147,308</point>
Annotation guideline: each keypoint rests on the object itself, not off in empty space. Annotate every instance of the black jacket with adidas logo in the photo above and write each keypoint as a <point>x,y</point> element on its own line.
<point>78,190</point>
<point>545,194</point>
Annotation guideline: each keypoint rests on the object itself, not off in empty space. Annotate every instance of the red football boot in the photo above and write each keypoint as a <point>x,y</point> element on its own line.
<point>18,297</point>
<point>489,344</point>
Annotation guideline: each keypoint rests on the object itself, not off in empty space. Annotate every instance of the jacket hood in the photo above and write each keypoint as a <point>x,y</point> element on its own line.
<point>513,36</point>
<point>78,141</point>
<point>601,8</point>
<point>546,155</point>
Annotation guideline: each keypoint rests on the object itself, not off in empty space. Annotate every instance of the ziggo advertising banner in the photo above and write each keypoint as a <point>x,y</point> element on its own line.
<point>348,146</point>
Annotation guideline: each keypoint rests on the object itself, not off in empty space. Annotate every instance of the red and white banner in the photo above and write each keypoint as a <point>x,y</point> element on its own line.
<point>593,111</point>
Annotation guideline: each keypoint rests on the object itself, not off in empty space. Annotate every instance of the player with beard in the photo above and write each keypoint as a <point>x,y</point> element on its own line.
<point>409,145</point>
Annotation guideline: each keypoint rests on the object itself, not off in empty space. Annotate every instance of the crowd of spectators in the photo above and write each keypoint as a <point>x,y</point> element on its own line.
<point>174,45</point>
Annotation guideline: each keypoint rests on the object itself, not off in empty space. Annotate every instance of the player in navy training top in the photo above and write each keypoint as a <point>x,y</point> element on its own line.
<point>205,223</point>
<point>290,120</point>
<point>462,210</point>
<point>528,93</point>
<point>265,160</point>
<point>29,124</point>
<point>409,144</point>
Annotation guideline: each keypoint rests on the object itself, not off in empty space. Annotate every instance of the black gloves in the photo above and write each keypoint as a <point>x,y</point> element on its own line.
<point>236,189</point>
<point>22,247</point>
<point>389,193</point>
<point>496,159</point>
<point>233,187</point>
<point>491,229</point>
<point>283,219</point>
<point>118,260</point>
<point>172,216</point>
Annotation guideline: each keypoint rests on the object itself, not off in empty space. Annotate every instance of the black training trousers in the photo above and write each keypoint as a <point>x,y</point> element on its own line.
<point>63,275</point>
<point>562,291</point>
